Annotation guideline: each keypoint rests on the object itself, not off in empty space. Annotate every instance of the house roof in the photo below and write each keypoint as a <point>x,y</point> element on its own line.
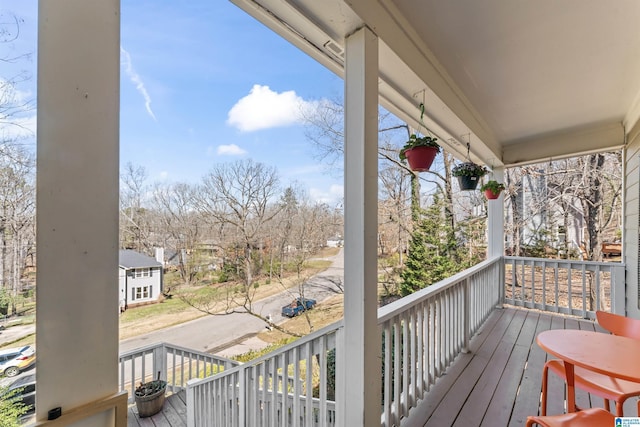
<point>520,81</point>
<point>132,259</point>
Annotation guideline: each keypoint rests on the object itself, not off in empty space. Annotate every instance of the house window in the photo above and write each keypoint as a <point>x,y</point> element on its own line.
<point>142,292</point>
<point>142,272</point>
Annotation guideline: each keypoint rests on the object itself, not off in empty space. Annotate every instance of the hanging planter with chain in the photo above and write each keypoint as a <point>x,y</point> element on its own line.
<point>468,173</point>
<point>420,151</point>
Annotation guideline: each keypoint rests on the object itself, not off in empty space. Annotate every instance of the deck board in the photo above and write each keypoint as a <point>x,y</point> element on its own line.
<point>528,400</point>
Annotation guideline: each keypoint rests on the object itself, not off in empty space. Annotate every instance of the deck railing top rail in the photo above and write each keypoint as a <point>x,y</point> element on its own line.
<point>563,261</point>
<point>173,347</point>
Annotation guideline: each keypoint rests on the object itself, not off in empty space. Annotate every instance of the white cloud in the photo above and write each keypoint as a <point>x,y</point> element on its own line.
<point>264,109</point>
<point>332,196</point>
<point>230,150</point>
<point>137,80</point>
<point>18,128</point>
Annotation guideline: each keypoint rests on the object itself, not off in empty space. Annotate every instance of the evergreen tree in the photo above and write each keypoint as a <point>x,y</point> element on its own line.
<point>434,252</point>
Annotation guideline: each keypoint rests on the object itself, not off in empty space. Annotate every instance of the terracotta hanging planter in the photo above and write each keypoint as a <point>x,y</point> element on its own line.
<point>490,195</point>
<point>421,158</point>
<point>492,189</point>
<point>420,152</point>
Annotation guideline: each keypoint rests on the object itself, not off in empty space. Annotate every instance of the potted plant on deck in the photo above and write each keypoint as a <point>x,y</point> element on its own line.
<point>420,152</point>
<point>150,397</point>
<point>469,174</point>
<point>492,189</point>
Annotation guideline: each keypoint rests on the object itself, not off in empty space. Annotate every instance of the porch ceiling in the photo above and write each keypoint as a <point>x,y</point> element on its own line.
<point>522,81</point>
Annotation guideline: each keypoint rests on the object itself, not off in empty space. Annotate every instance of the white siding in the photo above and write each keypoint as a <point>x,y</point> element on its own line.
<point>632,219</point>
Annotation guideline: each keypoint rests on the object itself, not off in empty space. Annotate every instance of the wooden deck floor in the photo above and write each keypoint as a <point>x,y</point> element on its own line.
<point>496,384</point>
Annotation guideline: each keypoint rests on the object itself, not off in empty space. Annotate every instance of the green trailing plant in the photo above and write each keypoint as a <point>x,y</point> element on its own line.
<point>469,169</point>
<point>418,141</point>
<point>495,186</point>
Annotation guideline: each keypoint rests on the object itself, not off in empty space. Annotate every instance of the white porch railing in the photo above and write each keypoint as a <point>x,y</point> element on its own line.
<point>176,365</point>
<point>425,331</point>
<point>290,387</point>
<point>421,334</point>
<point>577,288</point>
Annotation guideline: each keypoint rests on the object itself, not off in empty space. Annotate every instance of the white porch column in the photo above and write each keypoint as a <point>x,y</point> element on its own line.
<point>362,343</point>
<point>77,201</point>
<point>495,220</point>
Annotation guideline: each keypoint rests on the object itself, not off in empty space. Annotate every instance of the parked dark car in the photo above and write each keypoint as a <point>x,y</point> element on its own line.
<point>297,306</point>
<point>15,360</point>
<point>26,393</point>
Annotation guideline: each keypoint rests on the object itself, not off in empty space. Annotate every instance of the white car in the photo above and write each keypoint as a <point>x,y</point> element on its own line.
<point>14,360</point>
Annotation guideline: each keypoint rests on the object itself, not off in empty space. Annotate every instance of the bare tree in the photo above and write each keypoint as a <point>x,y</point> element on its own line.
<point>238,194</point>
<point>17,166</point>
<point>17,219</point>
<point>175,207</point>
<point>135,227</point>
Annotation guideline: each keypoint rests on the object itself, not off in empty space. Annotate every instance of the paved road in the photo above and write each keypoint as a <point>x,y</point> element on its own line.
<point>211,333</point>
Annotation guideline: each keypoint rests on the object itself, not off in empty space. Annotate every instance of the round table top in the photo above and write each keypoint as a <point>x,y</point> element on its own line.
<point>606,354</point>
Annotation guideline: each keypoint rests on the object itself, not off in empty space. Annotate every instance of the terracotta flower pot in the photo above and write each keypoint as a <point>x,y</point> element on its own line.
<point>491,195</point>
<point>421,158</point>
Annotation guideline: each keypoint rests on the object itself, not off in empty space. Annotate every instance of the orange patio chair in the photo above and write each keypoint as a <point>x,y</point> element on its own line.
<point>592,417</point>
<point>601,385</point>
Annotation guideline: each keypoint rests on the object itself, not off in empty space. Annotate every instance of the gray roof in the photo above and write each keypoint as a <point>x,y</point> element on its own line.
<point>133,259</point>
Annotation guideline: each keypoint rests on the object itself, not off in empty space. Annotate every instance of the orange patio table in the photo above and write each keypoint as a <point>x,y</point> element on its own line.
<point>606,354</point>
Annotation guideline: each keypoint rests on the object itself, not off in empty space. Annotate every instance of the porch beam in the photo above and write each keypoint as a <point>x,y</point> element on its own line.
<point>361,343</point>
<point>567,143</point>
<point>77,199</point>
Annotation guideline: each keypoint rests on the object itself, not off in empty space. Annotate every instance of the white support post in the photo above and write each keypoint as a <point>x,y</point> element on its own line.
<point>495,230</point>
<point>362,346</point>
<point>77,198</point>
<point>495,220</point>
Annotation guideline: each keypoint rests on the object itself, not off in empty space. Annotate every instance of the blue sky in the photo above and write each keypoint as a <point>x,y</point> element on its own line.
<point>202,82</point>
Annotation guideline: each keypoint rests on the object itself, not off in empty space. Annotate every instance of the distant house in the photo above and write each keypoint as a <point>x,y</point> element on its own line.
<point>140,279</point>
<point>335,242</point>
